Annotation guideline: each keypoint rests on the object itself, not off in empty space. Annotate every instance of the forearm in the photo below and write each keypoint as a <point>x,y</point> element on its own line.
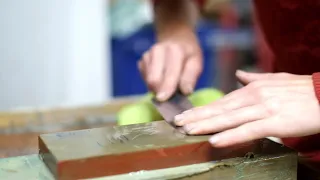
<point>174,17</point>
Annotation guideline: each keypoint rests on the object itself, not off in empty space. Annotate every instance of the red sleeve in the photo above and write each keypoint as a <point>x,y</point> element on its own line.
<point>316,84</point>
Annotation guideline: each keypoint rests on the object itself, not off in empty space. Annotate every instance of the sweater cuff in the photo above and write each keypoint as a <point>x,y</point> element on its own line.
<point>316,84</point>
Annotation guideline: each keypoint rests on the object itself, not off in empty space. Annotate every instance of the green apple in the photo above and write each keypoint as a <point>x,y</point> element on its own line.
<point>155,113</point>
<point>147,100</point>
<point>147,97</point>
<point>205,96</point>
<point>134,114</point>
<point>142,112</point>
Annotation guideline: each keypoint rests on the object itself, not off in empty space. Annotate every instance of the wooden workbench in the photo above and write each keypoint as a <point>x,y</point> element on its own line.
<point>280,167</point>
<point>19,132</point>
<point>19,129</point>
<point>19,137</point>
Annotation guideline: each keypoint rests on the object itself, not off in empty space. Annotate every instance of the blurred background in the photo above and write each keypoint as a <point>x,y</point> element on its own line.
<point>79,52</point>
<point>72,64</point>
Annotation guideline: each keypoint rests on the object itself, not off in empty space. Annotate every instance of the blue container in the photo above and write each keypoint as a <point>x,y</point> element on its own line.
<point>127,52</point>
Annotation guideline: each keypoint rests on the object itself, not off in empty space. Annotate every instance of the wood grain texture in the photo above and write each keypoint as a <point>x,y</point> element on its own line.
<point>17,145</point>
<point>24,144</point>
<point>32,167</point>
<point>19,130</point>
<point>265,168</point>
<point>34,120</point>
<point>118,150</point>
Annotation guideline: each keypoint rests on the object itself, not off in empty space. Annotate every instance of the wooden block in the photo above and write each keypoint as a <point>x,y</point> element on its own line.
<point>17,145</point>
<point>23,144</point>
<point>266,168</point>
<point>118,150</point>
<point>25,121</point>
<point>19,129</point>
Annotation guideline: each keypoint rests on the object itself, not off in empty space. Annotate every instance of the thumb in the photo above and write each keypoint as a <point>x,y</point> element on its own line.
<point>247,77</point>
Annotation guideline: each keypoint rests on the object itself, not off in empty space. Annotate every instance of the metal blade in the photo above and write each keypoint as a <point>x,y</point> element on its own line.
<point>177,104</point>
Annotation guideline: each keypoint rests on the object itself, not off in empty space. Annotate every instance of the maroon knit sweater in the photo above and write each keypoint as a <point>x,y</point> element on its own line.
<point>291,29</point>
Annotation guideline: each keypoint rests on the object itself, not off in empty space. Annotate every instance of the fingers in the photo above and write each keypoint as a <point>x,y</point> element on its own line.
<point>242,134</point>
<point>191,72</point>
<point>235,100</point>
<point>175,60</point>
<point>152,66</point>
<point>246,78</point>
<point>143,65</point>
<point>156,67</point>
<point>169,66</point>
<point>227,120</point>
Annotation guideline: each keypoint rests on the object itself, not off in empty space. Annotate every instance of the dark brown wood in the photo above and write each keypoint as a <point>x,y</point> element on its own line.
<point>118,150</point>
<point>18,145</point>
<point>24,144</point>
<point>61,118</point>
<point>19,130</point>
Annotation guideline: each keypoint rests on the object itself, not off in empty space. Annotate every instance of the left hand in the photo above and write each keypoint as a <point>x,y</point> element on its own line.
<point>270,105</point>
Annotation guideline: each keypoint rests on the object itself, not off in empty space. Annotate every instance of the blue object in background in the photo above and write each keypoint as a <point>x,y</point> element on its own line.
<point>128,51</point>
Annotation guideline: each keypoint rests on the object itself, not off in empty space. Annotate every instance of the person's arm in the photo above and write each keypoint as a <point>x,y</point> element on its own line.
<point>175,61</point>
<point>173,17</point>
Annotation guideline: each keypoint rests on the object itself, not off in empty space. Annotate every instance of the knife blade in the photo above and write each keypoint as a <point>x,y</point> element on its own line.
<point>177,104</point>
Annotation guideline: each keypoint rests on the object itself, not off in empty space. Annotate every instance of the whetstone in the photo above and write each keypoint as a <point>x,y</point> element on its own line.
<point>123,149</point>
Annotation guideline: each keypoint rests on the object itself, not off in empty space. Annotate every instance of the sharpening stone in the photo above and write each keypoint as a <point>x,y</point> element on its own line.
<point>120,150</point>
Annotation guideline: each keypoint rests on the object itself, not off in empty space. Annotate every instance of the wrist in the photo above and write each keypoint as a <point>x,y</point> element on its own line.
<point>172,18</point>
<point>182,32</point>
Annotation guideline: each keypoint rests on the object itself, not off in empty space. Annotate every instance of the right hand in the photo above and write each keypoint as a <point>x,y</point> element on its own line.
<point>171,64</point>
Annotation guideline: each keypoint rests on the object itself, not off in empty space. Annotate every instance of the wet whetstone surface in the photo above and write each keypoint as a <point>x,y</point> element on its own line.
<point>124,149</point>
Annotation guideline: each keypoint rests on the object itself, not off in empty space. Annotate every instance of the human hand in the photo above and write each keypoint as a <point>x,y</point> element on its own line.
<point>270,105</point>
<point>173,63</point>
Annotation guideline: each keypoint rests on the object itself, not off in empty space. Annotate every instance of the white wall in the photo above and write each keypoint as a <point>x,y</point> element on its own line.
<point>53,52</point>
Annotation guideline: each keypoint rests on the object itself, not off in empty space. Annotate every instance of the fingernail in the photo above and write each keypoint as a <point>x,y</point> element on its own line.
<point>181,130</point>
<point>178,118</point>
<point>190,128</point>
<point>240,72</point>
<point>213,140</point>
<point>189,89</point>
<point>161,96</point>
<point>187,111</point>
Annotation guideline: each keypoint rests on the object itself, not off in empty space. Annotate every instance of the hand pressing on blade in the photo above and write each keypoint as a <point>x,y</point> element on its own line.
<point>269,105</point>
<point>172,64</point>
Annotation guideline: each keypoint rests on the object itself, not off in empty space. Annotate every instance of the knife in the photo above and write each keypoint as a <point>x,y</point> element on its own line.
<point>177,104</point>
